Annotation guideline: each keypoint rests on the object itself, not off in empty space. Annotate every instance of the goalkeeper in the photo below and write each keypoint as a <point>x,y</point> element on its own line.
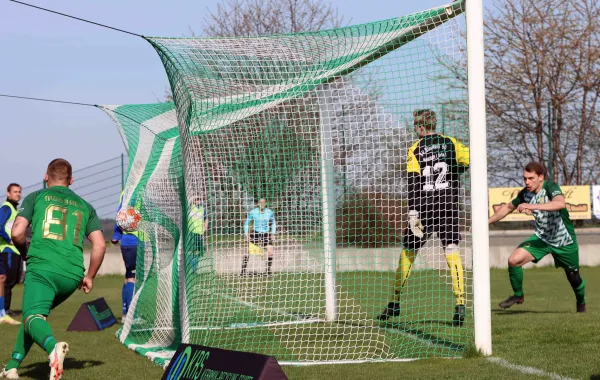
<point>60,220</point>
<point>263,234</point>
<point>554,234</point>
<point>434,165</point>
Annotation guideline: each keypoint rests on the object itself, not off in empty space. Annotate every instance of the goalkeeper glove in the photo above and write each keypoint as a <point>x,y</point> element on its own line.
<point>414,223</point>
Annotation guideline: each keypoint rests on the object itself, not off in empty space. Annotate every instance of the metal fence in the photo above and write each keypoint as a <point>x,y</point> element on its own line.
<point>99,184</point>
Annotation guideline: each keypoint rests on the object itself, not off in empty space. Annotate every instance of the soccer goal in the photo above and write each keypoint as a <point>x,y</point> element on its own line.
<point>293,194</point>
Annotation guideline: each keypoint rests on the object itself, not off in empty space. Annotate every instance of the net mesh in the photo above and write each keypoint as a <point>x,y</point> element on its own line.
<point>320,126</point>
<point>154,186</point>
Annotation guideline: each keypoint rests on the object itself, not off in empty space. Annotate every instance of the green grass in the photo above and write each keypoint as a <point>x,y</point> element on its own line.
<point>544,332</point>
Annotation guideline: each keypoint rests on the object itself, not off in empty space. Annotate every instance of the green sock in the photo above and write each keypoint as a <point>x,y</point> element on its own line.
<point>580,293</point>
<point>22,347</point>
<point>515,274</point>
<point>40,331</point>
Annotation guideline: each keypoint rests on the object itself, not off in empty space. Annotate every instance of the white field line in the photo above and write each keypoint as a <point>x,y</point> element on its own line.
<point>525,369</point>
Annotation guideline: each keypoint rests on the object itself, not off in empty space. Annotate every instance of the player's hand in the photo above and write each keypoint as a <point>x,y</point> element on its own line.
<point>525,208</point>
<point>415,224</point>
<point>86,284</point>
<point>114,241</point>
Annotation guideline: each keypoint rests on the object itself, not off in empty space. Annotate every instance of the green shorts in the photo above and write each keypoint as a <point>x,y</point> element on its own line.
<point>566,257</point>
<point>43,291</point>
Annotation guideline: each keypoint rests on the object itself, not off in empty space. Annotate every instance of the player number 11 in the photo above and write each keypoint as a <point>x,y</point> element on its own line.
<point>440,169</point>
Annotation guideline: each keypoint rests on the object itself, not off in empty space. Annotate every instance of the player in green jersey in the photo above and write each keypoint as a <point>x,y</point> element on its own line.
<point>554,234</point>
<point>60,220</point>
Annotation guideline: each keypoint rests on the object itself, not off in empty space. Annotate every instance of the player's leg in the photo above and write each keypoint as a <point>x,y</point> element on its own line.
<point>448,229</point>
<point>37,298</point>
<point>129,258</point>
<point>246,258</point>
<point>531,250</point>
<point>268,242</point>
<point>405,263</point>
<point>21,348</point>
<point>65,287</point>
<point>12,278</point>
<point>411,244</point>
<point>568,258</point>
<point>4,318</point>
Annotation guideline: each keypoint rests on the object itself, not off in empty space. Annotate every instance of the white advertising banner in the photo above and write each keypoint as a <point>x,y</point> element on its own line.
<point>596,200</point>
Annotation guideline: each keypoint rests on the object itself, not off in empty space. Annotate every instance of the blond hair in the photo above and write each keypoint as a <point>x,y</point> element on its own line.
<point>425,118</point>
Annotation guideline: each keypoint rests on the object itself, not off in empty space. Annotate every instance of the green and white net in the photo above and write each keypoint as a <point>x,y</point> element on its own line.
<point>319,124</point>
<point>154,186</point>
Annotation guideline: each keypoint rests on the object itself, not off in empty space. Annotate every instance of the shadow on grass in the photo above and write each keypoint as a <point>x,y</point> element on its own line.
<point>406,328</point>
<point>510,312</point>
<point>595,377</point>
<point>41,370</point>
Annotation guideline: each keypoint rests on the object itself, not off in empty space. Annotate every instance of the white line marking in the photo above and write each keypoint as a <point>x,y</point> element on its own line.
<point>258,324</point>
<point>526,370</point>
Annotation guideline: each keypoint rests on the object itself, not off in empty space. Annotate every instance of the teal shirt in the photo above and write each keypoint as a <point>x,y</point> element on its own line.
<point>261,220</point>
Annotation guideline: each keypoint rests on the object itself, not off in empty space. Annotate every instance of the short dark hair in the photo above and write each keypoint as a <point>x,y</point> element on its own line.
<point>59,170</point>
<point>425,118</point>
<point>9,188</point>
<point>535,167</point>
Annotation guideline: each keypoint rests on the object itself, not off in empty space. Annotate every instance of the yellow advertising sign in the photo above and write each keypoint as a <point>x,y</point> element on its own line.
<point>577,197</point>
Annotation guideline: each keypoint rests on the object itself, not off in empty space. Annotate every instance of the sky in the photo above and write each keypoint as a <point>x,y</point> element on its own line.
<point>44,55</point>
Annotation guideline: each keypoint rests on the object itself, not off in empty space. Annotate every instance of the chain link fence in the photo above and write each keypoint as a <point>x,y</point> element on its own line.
<point>100,185</point>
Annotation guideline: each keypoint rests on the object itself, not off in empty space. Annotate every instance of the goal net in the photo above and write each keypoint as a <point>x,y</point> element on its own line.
<point>154,186</point>
<point>318,128</point>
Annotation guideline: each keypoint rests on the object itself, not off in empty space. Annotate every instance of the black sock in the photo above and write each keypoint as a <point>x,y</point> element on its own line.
<point>269,264</point>
<point>245,263</point>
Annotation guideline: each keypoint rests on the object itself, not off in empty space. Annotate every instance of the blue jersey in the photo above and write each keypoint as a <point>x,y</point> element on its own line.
<point>261,220</point>
<point>5,213</point>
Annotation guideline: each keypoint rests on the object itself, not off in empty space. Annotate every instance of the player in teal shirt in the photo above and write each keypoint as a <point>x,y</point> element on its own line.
<point>263,233</point>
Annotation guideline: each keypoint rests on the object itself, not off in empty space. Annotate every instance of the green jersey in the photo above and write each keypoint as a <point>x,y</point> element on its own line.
<point>553,227</point>
<point>60,220</point>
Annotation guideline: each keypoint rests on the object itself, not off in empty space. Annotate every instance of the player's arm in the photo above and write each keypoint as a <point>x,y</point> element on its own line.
<point>96,259</point>
<point>94,233</point>
<point>462,156</point>
<point>247,223</point>
<point>507,208</point>
<point>414,178</point>
<point>18,232</point>
<point>557,203</point>
<point>19,228</point>
<point>273,225</point>
<point>205,220</point>
<point>502,212</point>
<point>117,234</point>
<point>4,216</point>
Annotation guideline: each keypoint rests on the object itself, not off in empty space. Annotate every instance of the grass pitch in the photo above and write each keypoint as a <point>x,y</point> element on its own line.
<point>544,333</point>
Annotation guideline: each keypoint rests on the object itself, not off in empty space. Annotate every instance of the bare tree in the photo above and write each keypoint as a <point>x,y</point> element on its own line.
<point>240,18</point>
<point>542,84</point>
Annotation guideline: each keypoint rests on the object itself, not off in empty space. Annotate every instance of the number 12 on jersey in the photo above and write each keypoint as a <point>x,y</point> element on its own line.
<point>440,169</point>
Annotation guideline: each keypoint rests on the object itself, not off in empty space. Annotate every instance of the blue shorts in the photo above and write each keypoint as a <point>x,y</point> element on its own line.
<point>129,256</point>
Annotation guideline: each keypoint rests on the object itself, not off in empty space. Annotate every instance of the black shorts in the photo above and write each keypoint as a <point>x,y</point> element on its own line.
<point>129,254</point>
<point>261,240</point>
<point>438,215</point>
